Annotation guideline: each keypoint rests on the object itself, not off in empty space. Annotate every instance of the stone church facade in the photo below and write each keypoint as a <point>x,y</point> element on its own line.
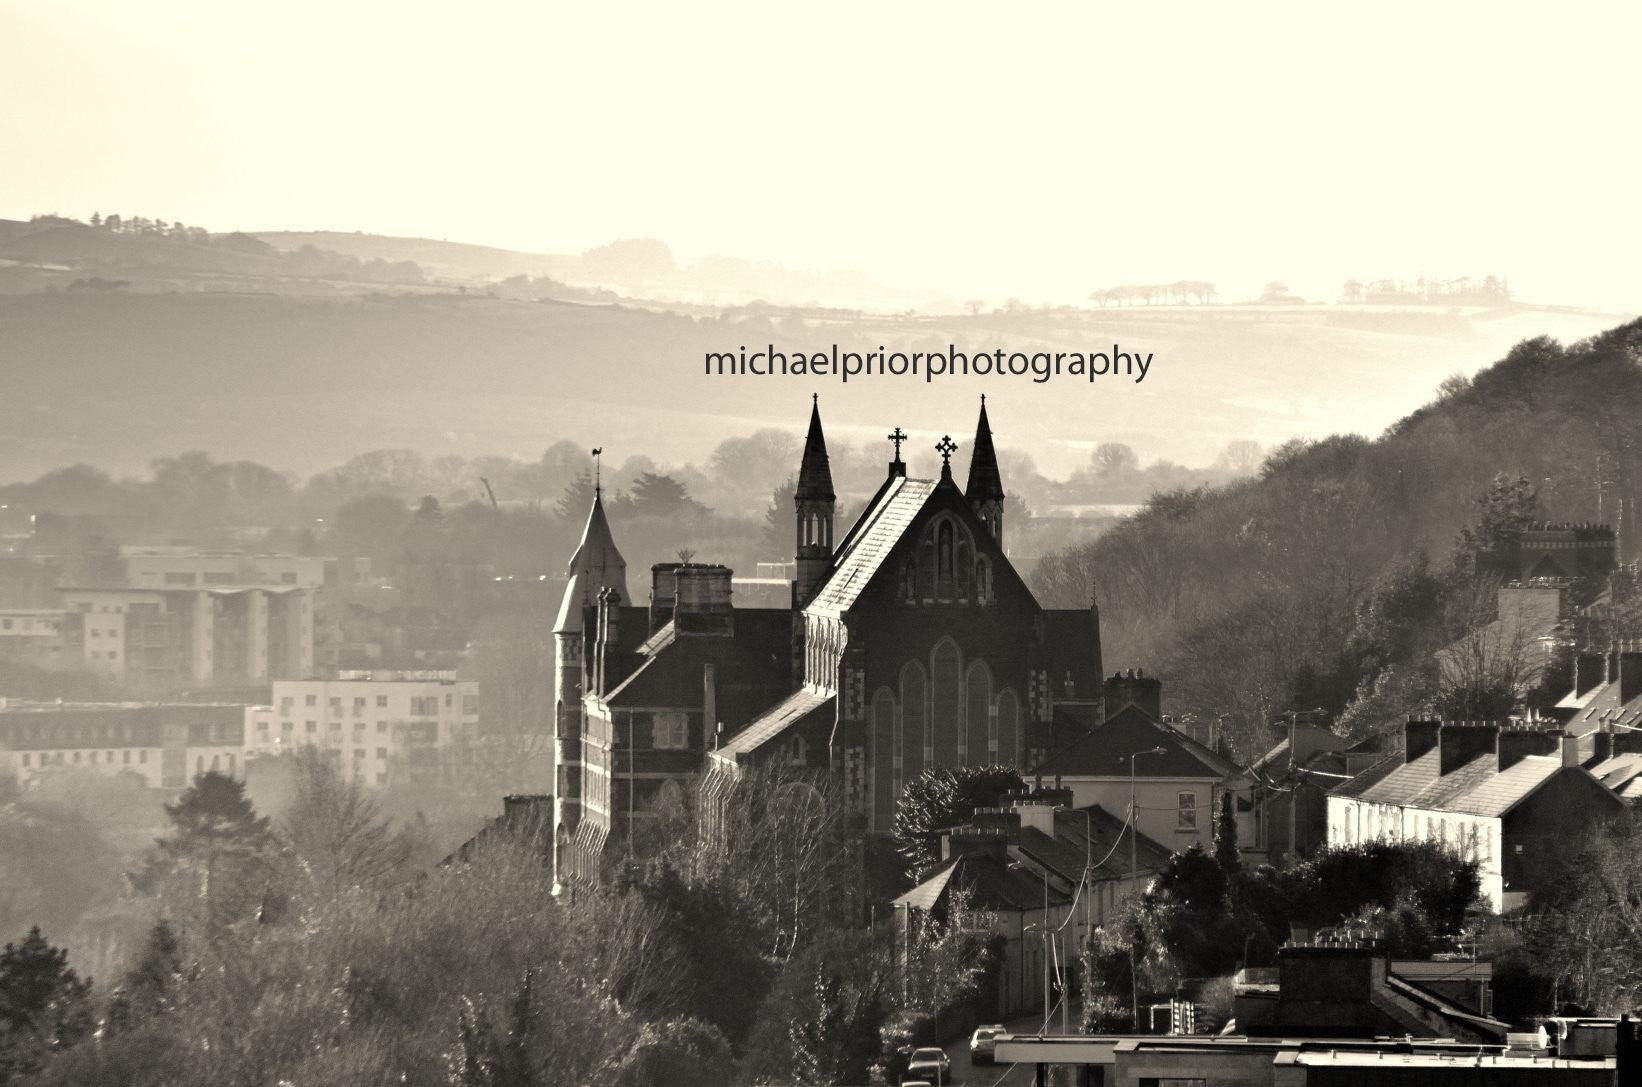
<point>912,642</point>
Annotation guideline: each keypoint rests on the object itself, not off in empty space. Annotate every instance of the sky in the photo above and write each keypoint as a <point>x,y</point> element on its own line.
<point>1036,154</point>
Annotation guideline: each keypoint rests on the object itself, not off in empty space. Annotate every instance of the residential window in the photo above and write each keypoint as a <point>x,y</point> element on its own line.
<point>381,752</point>
<point>25,758</point>
<point>359,752</point>
<point>262,726</point>
<point>381,779</point>
<point>313,726</point>
<point>426,706</point>
<point>336,726</point>
<point>287,726</point>
<point>285,706</point>
<point>359,706</point>
<point>313,700</point>
<point>336,706</point>
<point>142,757</point>
<point>671,731</point>
<point>470,705</point>
<point>381,726</point>
<point>1186,811</point>
<point>381,701</point>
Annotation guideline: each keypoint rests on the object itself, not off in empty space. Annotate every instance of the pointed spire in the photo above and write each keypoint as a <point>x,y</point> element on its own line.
<point>985,481</point>
<point>597,565</point>
<point>814,474</point>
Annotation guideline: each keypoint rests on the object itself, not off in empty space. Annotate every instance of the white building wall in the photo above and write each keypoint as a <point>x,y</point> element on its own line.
<point>1159,801</point>
<point>1473,837</point>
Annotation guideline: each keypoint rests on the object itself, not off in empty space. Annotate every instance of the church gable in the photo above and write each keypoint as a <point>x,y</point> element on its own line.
<point>944,555</point>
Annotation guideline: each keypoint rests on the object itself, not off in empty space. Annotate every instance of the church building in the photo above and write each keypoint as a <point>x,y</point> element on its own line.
<point>911,642</point>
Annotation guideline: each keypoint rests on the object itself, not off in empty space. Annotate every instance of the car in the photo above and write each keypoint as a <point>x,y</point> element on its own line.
<point>983,1044</point>
<point>928,1063</point>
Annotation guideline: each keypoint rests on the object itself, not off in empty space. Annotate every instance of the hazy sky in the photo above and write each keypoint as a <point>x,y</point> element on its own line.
<point>1029,150</point>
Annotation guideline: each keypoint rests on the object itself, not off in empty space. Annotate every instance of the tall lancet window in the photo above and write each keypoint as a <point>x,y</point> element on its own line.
<point>943,570</point>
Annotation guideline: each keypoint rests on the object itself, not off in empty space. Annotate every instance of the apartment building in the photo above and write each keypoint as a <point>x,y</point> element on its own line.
<point>32,635</point>
<point>164,744</point>
<point>374,725</point>
<point>161,639</point>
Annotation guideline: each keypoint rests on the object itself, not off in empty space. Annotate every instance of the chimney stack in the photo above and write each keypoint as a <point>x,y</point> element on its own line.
<point>663,593</point>
<point>1419,737</point>
<point>1589,672</point>
<point>1516,744</point>
<point>1458,744</point>
<point>703,602</point>
<point>1570,751</point>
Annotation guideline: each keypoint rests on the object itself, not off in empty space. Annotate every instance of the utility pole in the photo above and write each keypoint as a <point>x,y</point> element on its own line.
<point>1134,883</point>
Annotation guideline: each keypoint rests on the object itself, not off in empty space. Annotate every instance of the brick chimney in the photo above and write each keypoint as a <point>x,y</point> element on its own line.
<point>1419,737</point>
<point>1602,747</point>
<point>1570,751</point>
<point>1459,743</point>
<point>663,593</point>
<point>1590,669</point>
<point>703,602</point>
<point>1516,744</point>
<point>1135,686</point>
<point>1630,674</point>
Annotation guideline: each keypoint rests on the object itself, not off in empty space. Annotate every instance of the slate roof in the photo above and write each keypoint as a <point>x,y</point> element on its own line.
<point>595,565</point>
<point>803,705</point>
<point>1621,773</point>
<point>869,544</point>
<point>1104,753</point>
<point>752,667</point>
<point>1477,788</point>
<point>1106,843</point>
<point>991,883</point>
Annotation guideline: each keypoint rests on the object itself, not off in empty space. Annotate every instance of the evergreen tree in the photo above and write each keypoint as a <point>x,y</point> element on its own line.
<point>42,1005</point>
<point>1225,838</point>
<point>938,799</point>
<point>218,858</point>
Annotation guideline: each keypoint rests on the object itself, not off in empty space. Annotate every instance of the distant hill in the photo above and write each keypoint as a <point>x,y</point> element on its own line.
<point>304,382</point>
<point>456,261</point>
<point>1259,598</point>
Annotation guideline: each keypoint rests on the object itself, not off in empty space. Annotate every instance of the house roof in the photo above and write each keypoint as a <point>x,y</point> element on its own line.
<point>1478,787</point>
<point>869,543</point>
<point>1621,773</point>
<point>1105,844</point>
<point>1312,740</point>
<point>990,882</point>
<point>751,667</point>
<point>1105,752</point>
<point>801,706</point>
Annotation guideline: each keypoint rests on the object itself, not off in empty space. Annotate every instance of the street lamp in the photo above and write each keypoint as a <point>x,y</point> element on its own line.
<point>1134,881</point>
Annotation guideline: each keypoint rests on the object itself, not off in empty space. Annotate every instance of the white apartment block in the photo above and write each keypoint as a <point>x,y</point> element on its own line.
<point>373,725</point>
<point>164,745</point>
<point>160,639</point>
<point>189,568</point>
<point>33,635</point>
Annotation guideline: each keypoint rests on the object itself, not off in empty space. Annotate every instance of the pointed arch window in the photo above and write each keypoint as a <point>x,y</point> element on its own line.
<point>943,558</point>
<point>914,721</point>
<point>979,741</point>
<point>1006,730</point>
<point>946,700</point>
<point>983,579</point>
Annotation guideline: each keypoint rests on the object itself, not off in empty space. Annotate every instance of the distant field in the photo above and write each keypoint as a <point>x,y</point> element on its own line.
<point>303,383</point>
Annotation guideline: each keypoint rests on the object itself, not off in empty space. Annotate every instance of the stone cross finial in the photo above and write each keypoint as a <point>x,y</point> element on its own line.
<point>897,436</point>
<point>946,447</point>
